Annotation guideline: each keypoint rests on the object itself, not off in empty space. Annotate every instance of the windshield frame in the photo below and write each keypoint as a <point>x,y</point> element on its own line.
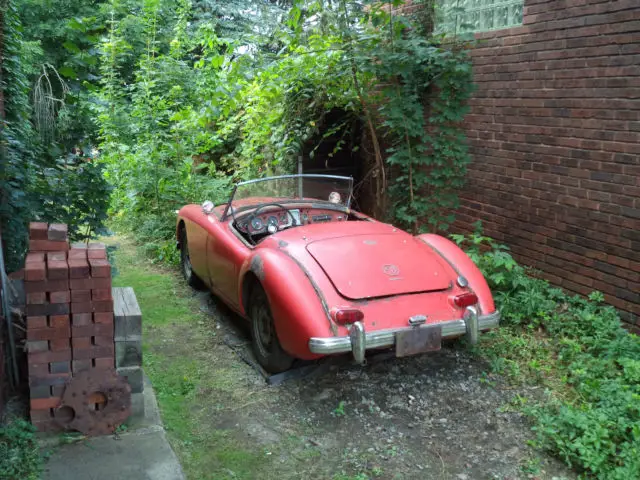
<point>301,176</point>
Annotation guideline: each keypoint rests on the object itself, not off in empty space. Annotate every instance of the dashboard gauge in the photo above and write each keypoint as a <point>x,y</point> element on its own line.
<point>256,224</point>
<point>272,220</point>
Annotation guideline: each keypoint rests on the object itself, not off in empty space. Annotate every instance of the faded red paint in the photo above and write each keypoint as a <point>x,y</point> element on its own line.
<point>385,272</point>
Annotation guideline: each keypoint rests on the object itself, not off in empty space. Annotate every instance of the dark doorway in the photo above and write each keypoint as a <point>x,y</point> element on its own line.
<point>336,150</point>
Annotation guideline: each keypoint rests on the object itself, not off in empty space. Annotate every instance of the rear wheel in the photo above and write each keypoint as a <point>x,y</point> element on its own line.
<point>185,262</point>
<point>266,346</point>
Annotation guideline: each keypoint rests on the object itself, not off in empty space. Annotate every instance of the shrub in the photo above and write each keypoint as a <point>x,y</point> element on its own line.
<point>578,348</point>
<point>19,454</point>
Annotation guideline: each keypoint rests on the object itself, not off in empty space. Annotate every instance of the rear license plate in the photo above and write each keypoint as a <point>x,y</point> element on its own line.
<point>418,340</point>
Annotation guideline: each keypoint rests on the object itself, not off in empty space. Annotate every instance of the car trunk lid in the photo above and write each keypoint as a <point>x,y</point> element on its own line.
<point>370,266</point>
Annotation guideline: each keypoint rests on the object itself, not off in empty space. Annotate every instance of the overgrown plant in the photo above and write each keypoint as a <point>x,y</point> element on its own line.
<point>577,348</point>
<point>19,452</point>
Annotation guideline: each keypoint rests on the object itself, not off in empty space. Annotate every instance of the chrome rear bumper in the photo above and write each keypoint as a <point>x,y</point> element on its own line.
<point>359,341</point>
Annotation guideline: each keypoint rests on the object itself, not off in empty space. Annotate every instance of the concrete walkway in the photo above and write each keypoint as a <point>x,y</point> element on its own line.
<point>141,453</point>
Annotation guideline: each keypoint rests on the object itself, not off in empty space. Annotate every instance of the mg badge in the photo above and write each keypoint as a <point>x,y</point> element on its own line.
<point>391,270</point>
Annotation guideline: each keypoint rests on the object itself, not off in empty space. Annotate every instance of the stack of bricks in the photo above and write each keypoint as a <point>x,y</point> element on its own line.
<point>69,315</point>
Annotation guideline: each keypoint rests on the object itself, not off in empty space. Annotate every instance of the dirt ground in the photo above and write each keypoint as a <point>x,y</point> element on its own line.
<point>435,416</point>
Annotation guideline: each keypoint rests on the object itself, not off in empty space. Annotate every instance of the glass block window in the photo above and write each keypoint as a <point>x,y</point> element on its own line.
<point>465,16</point>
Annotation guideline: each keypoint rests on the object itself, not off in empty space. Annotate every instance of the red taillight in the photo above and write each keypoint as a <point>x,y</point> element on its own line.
<point>465,300</point>
<point>346,316</point>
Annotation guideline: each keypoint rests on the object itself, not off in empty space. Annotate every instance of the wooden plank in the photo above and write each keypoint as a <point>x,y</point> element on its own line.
<point>127,315</point>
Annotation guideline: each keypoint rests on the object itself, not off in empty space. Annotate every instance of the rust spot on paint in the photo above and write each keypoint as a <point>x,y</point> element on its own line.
<point>282,244</point>
<point>257,267</point>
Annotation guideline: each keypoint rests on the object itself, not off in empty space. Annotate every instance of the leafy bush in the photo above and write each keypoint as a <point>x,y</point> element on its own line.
<point>19,453</point>
<point>74,192</point>
<point>577,348</point>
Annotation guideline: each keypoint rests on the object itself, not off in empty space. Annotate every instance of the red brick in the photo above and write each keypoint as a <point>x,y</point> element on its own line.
<point>38,231</point>
<point>80,283</point>
<point>57,269</point>
<point>80,319</point>
<point>97,254</point>
<point>104,363</point>
<point>56,256</point>
<point>37,298</point>
<point>80,296</point>
<point>85,307</point>
<point>37,322</point>
<point>59,321</point>
<point>81,342</point>
<point>34,257</point>
<point>48,333</point>
<point>44,403</point>
<point>38,369</point>
<point>37,346</point>
<point>94,352</point>
<point>103,317</point>
<point>59,344</point>
<point>47,357</point>
<point>77,253</point>
<point>78,268</point>
<point>103,340</point>
<point>46,286</point>
<point>100,268</point>
<point>47,246</point>
<point>60,297</point>
<point>103,306</point>
<point>100,283</point>
<point>57,231</point>
<point>34,272</point>
<point>101,329</point>
<point>81,365</point>
<point>101,294</point>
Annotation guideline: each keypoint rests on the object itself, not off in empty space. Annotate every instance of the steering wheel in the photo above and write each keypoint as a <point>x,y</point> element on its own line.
<point>261,207</point>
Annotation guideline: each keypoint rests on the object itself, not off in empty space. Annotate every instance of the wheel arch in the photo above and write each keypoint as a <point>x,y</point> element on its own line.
<point>463,265</point>
<point>297,310</point>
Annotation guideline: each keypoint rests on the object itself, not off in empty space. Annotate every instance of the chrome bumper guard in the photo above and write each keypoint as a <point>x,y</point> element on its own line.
<point>359,341</point>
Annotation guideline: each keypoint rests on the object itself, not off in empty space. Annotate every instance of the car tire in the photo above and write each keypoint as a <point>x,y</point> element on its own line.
<point>266,345</point>
<point>185,263</point>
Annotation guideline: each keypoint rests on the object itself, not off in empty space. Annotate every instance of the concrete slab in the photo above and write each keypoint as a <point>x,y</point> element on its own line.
<point>141,453</point>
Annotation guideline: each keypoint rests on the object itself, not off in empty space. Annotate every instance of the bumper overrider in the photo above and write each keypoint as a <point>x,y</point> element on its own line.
<point>359,341</point>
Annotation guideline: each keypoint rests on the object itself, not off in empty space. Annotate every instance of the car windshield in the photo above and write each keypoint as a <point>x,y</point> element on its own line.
<point>291,189</point>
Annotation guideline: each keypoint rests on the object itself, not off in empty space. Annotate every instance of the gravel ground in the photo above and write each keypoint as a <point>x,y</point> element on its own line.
<point>434,416</point>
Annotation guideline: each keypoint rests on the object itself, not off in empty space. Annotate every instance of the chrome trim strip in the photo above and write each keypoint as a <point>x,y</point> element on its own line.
<point>387,338</point>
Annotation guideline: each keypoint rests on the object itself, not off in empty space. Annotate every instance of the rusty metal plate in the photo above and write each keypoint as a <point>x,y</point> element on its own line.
<point>418,340</point>
<point>94,402</point>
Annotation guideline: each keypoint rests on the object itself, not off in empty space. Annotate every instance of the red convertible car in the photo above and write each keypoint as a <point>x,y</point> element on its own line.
<point>315,278</point>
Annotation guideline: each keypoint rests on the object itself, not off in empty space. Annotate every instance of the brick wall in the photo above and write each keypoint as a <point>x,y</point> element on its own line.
<point>554,133</point>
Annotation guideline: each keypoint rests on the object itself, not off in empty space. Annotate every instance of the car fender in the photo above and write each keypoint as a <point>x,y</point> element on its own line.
<point>464,266</point>
<point>297,305</point>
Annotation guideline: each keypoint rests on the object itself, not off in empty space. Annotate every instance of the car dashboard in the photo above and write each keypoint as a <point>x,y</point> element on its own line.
<point>278,219</point>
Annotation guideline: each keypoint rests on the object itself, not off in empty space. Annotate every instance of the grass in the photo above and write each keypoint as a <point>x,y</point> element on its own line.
<point>194,386</point>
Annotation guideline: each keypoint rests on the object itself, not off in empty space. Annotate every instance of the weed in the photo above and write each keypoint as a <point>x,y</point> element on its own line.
<point>577,349</point>
<point>339,410</point>
<point>19,454</point>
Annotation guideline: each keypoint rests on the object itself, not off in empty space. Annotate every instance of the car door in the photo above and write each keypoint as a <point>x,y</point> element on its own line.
<point>225,255</point>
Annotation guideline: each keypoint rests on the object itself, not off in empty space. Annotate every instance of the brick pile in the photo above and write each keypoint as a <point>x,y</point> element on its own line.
<point>69,315</point>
